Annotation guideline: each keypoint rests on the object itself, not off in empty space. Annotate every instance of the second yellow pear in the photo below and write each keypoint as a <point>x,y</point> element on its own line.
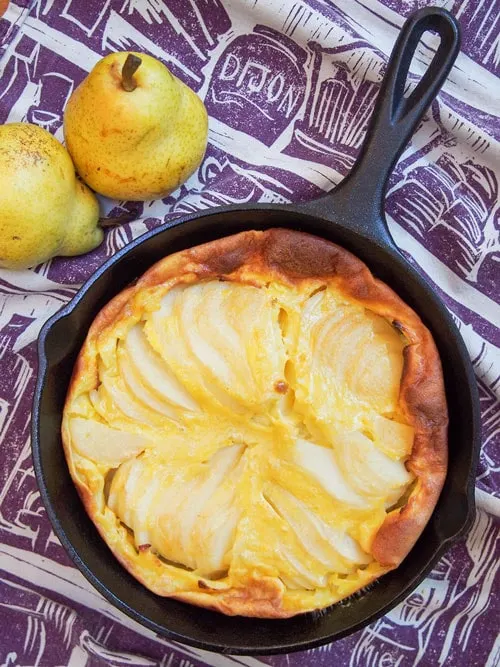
<point>133,129</point>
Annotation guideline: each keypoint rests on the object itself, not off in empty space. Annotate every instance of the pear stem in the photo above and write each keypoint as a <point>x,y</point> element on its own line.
<point>105,223</point>
<point>129,68</point>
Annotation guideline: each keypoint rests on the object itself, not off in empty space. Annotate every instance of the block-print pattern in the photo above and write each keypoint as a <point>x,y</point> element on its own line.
<point>289,87</point>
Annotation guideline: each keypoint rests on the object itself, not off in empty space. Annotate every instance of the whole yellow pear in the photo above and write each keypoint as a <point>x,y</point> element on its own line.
<point>133,129</point>
<point>44,209</point>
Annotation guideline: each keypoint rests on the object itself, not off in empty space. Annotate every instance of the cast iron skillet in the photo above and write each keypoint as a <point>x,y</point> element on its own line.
<point>352,215</point>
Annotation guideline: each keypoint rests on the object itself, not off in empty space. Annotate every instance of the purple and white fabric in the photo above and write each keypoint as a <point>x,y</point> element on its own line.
<point>289,86</point>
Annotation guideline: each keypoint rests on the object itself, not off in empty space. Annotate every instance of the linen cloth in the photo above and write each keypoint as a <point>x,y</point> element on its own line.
<point>289,86</point>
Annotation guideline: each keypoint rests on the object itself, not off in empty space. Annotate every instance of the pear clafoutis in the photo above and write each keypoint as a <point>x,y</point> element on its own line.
<point>258,425</point>
<point>44,209</point>
<point>134,130</point>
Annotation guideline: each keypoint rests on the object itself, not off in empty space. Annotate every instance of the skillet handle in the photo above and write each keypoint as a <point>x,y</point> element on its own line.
<point>358,202</point>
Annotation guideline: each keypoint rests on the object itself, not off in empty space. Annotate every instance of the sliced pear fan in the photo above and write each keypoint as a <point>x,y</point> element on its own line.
<point>234,337</point>
<point>188,519</point>
<point>350,349</point>
<point>103,444</point>
<point>220,465</point>
<point>221,339</point>
<point>164,331</point>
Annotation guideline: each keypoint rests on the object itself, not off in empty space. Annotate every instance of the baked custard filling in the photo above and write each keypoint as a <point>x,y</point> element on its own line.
<point>244,427</point>
<point>258,425</point>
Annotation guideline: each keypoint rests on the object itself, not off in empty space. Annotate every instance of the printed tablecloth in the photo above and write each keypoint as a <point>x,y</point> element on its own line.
<point>289,86</point>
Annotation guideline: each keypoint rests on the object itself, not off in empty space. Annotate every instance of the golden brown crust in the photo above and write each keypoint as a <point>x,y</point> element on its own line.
<point>261,599</point>
<point>292,257</point>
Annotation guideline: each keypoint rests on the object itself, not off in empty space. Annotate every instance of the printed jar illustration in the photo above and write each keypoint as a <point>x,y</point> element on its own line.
<point>344,85</point>
<point>258,84</point>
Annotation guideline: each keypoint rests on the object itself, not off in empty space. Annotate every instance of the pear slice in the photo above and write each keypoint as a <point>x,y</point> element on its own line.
<point>163,334</point>
<point>393,438</point>
<point>331,547</point>
<point>312,311</point>
<point>216,320</point>
<point>302,576</point>
<point>216,524</point>
<point>157,498</point>
<point>112,388</point>
<point>141,518</point>
<point>216,534</point>
<point>103,444</point>
<point>137,388</point>
<point>254,316</point>
<point>131,492</point>
<point>320,463</point>
<point>371,472</point>
<point>166,517</point>
<point>339,342</point>
<point>154,372</point>
<point>213,363</point>
<point>230,317</point>
<point>220,465</point>
<point>375,375</point>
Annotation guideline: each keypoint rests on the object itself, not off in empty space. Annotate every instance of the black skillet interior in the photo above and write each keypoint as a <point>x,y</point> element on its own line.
<point>353,217</point>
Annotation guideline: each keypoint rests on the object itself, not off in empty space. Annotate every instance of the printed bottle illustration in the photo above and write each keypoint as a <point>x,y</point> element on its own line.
<point>343,88</point>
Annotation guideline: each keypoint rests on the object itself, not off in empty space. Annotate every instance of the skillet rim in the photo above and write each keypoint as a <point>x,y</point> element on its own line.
<point>277,648</point>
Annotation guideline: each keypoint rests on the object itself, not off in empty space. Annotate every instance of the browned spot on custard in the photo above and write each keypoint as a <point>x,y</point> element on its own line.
<point>281,387</point>
<point>144,547</point>
<point>202,584</point>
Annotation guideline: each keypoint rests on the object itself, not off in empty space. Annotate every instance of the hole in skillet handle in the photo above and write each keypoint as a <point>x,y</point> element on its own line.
<point>358,201</point>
